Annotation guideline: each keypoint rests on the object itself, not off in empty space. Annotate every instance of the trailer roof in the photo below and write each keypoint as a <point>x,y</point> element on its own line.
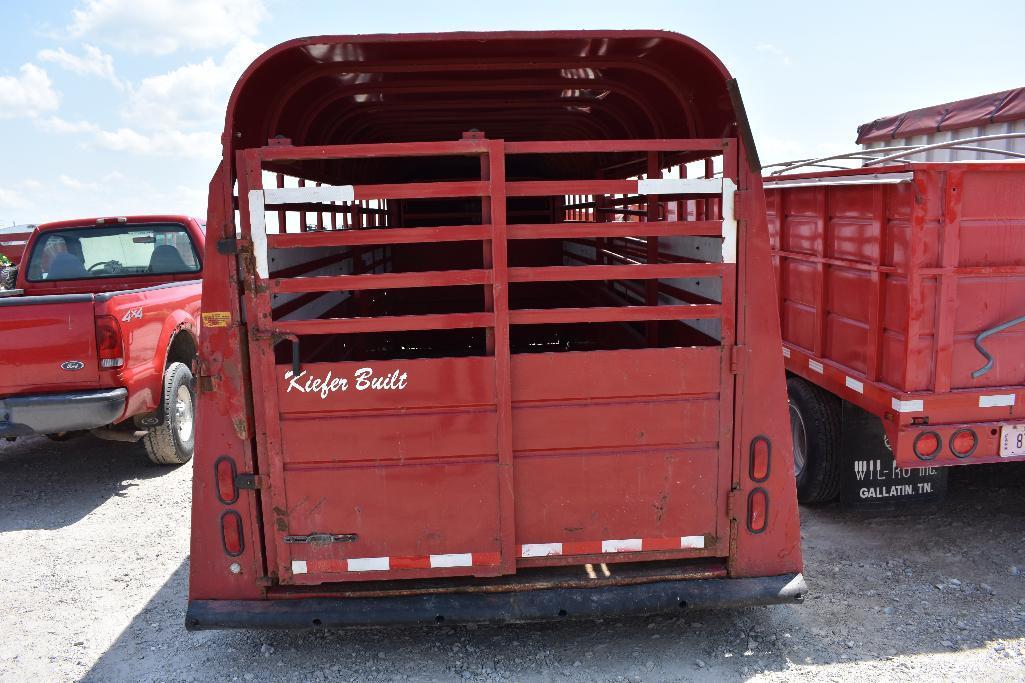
<point>509,85</point>
<point>1007,105</point>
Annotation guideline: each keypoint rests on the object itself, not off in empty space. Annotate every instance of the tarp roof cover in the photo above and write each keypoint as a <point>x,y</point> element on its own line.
<point>510,85</point>
<point>1008,105</point>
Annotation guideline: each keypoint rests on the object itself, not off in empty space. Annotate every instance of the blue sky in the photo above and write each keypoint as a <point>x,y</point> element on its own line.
<point>113,107</point>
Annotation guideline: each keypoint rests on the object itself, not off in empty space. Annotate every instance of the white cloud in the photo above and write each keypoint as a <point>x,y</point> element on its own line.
<point>10,199</point>
<point>204,145</point>
<point>110,194</point>
<point>193,96</point>
<point>771,49</point>
<point>93,63</point>
<point>176,114</point>
<point>161,27</point>
<point>28,94</point>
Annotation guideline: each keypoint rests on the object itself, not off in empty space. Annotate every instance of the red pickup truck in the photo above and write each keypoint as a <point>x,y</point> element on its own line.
<point>101,331</point>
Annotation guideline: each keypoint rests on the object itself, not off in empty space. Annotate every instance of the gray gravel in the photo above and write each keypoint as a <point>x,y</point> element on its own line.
<point>94,544</point>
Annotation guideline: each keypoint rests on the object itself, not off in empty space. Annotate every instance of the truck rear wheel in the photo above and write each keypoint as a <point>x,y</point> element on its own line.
<point>815,429</point>
<point>173,440</point>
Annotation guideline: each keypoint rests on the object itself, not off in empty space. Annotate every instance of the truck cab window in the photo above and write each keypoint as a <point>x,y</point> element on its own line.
<point>113,251</point>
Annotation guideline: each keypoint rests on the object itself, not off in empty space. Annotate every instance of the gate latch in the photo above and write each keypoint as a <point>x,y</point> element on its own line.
<point>250,481</point>
<point>322,539</point>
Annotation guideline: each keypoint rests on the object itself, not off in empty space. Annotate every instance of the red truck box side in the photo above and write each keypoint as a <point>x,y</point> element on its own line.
<point>94,347</point>
<point>428,389</point>
<point>893,285</point>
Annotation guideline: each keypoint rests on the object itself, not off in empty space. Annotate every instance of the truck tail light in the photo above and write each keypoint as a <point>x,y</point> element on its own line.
<point>757,510</point>
<point>231,533</point>
<point>109,348</point>
<point>760,465</point>
<point>927,445</point>
<point>224,473</point>
<point>963,442</point>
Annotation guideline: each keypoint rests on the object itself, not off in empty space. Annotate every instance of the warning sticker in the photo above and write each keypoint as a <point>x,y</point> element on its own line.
<point>216,319</point>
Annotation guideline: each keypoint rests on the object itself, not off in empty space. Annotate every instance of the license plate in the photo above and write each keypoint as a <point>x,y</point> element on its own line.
<point>1012,440</point>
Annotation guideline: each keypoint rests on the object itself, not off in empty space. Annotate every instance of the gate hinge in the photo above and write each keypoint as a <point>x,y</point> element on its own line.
<point>250,481</point>
<point>247,262</point>
<point>227,246</point>
<point>733,503</point>
<point>736,358</point>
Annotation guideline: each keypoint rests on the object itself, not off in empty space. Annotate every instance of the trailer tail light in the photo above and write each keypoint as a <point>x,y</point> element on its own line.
<point>224,475</point>
<point>109,347</point>
<point>761,459</point>
<point>963,442</point>
<point>927,445</point>
<point>757,510</point>
<point>231,533</point>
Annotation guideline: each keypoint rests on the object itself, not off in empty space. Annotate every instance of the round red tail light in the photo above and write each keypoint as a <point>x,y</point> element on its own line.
<point>927,445</point>
<point>963,442</point>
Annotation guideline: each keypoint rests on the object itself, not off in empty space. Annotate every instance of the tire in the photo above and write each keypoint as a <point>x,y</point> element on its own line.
<point>172,441</point>
<point>815,423</point>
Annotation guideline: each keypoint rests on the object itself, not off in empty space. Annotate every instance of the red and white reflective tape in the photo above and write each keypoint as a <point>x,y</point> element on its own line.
<point>624,545</point>
<point>384,564</point>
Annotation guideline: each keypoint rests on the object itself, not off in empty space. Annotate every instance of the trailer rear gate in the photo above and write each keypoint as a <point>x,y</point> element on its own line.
<point>486,431</point>
<point>492,330</point>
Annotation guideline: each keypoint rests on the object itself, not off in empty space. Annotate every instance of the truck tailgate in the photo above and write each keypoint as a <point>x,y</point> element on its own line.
<point>48,343</point>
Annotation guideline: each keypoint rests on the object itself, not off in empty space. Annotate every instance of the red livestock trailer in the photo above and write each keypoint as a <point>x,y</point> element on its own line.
<point>901,292</point>
<point>12,242</point>
<point>443,378</point>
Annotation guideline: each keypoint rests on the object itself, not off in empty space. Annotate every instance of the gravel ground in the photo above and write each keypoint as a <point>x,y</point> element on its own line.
<point>95,541</point>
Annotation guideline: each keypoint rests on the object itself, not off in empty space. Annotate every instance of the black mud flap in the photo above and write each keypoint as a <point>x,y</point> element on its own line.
<point>505,607</point>
<point>872,480</point>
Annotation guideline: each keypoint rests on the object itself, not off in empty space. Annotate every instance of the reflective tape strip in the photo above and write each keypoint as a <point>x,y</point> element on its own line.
<point>625,545</point>
<point>915,406</point>
<point>443,561</point>
<point>311,194</point>
<point>454,560</point>
<point>680,186</point>
<point>855,384</point>
<point>379,564</point>
<point>621,545</point>
<point>786,352</point>
<point>258,232</point>
<point>996,400</point>
<point>368,564</point>
<point>692,542</point>
<point>815,365</point>
<point>540,549</point>
<point>729,222</point>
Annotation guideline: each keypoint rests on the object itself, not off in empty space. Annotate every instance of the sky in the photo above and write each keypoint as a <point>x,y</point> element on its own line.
<point>115,107</point>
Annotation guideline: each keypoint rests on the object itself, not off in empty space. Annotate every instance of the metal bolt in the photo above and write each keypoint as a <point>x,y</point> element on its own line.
<point>235,568</point>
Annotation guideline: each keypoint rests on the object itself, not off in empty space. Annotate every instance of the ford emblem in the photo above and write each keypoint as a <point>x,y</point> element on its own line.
<point>72,365</point>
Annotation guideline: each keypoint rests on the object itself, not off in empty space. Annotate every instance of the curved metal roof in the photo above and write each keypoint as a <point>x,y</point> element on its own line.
<point>509,85</point>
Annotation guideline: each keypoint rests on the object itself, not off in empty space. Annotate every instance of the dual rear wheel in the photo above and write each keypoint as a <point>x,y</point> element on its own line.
<point>815,428</point>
